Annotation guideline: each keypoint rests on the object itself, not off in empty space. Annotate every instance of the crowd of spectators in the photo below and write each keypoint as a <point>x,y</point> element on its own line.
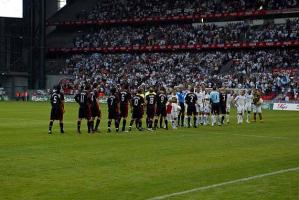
<point>120,9</point>
<point>235,69</point>
<point>175,34</point>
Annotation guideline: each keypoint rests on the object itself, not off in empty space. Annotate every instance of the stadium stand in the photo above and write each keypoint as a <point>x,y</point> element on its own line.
<point>233,52</point>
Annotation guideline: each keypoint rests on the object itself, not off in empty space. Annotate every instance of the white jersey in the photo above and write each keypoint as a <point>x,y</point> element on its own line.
<point>229,99</point>
<point>249,99</point>
<point>200,97</point>
<point>207,104</point>
<point>240,100</point>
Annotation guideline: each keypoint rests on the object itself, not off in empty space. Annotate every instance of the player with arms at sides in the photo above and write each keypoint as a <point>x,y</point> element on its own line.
<point>175,109</point>
<point>215,102</point>
<point>124,98</point>
<point>95,108</point>
<point>206,109</point>
<point>191,100</point>
<point>137,104</point>
<point>257,105</point>
<point>200,99</point>
<point>57,111</point>
<point>240,104</point>
<point>229,99</point>
<point>161,108</point>
<point>181,99</point>
<point>113,109</point>
<point>151,101</point>
<point>248,105</point>
<point>223,99</point>
<point>83,98</point>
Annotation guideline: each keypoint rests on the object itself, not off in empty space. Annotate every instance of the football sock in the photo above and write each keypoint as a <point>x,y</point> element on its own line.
<point>213,119</point>
<point>189,121</point>
<point>254,116</point>
<point>222,119</point>
<point>97,124</point>
<point>194,121</point>
<point>150,123</point>
<point>88,126</point>
<point>166,124</point>
<point>124,124</point>
<point>61,127</point>
<point>78,125</point>
<point>50,125</point>
<point>109,124</point>
<point>92,125</point>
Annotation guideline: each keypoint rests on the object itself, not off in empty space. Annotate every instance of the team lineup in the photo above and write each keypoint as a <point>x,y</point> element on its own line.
<point>179,107</point>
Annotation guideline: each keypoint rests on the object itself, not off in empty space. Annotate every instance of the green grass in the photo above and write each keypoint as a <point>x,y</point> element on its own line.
<point>35,165</point>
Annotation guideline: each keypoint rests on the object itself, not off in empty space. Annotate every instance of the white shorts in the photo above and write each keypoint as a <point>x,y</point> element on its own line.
<point>240,109</point>
<point>248,107</point>
<point>257,108</point>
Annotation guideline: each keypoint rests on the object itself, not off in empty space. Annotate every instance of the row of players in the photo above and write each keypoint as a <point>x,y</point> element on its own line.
<point>176,107</point>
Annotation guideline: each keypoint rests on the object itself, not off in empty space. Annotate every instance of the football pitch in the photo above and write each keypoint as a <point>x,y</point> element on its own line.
<point>249,161</point>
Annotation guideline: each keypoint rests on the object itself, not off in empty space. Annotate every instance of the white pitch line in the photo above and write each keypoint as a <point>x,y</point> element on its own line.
<point>224,184</point>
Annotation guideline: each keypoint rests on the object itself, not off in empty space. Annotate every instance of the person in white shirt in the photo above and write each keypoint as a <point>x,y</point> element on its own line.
<point>175,112</point>
<point>229,99</point>
<point>240,104</point>
<point>248,105</point>
<point>206,109</point>
<point>200,93</point>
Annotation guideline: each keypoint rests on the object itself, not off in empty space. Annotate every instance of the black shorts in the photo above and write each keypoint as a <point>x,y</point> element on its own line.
<point>95,112</point>
<point>216,108</point>
<point>84,113</point>
<point>191,110</point>
<point>182,105</point>
<point>56,114</point>
<point>124,109</point>
<point>223,109</point>
<point>112,114</point>
<point>150,112</point>
<point>137,114</point>
<point>161,111</point>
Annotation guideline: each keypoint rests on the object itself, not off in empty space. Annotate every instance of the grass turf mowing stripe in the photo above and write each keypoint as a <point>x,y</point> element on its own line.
<point>224,183</point>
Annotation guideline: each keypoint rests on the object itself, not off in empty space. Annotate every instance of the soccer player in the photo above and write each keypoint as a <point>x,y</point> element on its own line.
<point>181,98</point>
<point>257,105</point>
<point>206,109</point>
<point>95,108</point>
<point>191,100</point>
<point>248,105</point>
<point>150,108</point>
<point>215,101</point>
<point>240,104</point>
<point>57,102</point>
<point>229,99</point>
<point>125,98</point>
<point>113,109</point>
<point>161,108</point>
<point>137,104</point>
<point>83,98</point>
<point>223,99</point>
<point>200,104</point>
